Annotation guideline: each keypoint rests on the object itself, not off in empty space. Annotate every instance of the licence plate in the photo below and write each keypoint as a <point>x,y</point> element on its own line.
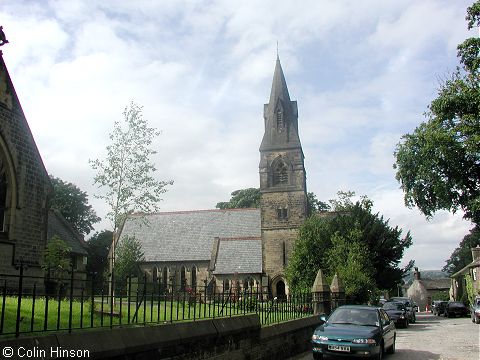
<point>339,348</point>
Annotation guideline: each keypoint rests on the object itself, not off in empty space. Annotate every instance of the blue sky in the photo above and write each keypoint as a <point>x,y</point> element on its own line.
<point>363,73</point>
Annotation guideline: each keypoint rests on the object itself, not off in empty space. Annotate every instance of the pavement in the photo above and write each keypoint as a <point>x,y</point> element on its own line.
<point>434,338</point>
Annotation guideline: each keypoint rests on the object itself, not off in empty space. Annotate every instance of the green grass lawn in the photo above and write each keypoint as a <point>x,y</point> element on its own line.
<point>124,313</point>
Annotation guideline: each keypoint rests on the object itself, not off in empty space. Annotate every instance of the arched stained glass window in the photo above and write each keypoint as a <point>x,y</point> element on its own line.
<point>3,196</point>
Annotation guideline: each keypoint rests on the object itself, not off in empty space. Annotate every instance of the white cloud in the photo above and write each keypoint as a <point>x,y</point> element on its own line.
<point>362,72</point>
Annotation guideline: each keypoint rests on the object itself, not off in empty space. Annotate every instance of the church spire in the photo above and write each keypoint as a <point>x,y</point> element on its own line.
<point>279,85</point>
<point>280,114</point>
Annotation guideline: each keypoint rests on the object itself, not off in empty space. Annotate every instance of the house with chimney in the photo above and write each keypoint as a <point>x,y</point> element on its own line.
<point>459,282</point>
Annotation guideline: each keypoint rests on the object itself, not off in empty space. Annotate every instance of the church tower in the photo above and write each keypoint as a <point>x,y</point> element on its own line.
<point>282,182</point>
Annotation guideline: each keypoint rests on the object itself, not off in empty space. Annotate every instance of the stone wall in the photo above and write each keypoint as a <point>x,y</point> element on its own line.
<point>233,338</point>
<point>28,185</point>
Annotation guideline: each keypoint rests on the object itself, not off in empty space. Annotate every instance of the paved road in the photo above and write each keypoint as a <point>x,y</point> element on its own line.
<point>434,338</point>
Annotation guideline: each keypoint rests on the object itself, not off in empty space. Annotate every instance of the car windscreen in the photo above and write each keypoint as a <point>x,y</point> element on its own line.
<point>456,304</point>
<point>352,316</point>
<point>393,306</point>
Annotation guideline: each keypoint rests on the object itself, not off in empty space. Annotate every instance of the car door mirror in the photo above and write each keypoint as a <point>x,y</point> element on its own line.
<point>323,318</point>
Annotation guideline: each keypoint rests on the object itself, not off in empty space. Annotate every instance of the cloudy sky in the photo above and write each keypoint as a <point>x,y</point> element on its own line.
<point>363,73</point>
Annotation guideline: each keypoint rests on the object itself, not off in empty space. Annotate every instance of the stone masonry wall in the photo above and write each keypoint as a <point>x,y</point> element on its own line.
<point>236,338</point>
<point>26,213</point>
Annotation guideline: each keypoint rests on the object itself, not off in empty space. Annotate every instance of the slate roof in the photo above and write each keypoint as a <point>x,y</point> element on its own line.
<point>59,226</point>
<point>239,255</point>
<point>189,235</point>
<point>436,284</point>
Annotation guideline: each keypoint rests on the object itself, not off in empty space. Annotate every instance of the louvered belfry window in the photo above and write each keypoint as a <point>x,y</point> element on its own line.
<point>280,173</point>
<point>280,122</point>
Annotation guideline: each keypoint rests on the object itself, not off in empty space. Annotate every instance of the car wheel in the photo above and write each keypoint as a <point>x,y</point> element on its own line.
<point>477,320</point>
<point>380,352</point>
<point>317,356</point>
<point>391,349</point>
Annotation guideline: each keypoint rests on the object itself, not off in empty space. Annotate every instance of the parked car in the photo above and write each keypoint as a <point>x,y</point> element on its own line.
<point>397,312</point>
<point>475,311</point>
<point>433,305</point>
<point>409,306</point>
<point>414,306</point>
<point>454,308</point>
<point>439,308</point>
<point>355,331</point>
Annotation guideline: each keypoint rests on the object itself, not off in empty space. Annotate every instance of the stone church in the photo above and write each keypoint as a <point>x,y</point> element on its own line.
<point>236,247</point>
<point>26,220</point>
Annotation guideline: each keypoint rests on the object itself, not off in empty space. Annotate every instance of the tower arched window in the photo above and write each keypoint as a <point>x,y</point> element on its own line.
<point>280,173</point>
<point>3,196</point>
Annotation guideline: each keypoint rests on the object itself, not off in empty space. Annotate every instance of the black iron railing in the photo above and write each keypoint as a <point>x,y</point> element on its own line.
<point>69,302</point>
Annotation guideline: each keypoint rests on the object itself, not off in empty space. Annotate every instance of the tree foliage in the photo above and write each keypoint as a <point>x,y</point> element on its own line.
<point>56,256</point>
<point>128,254</point>
<point>462,255</point>
<point>98,247</point>
<point>73,205</point>
<point>438,165</point>
<point>250,198</point>
<point>349,258</point>
<point>383,245</point>
<point>127,172</point>
<point>243,198</point>
<point>315,205</point>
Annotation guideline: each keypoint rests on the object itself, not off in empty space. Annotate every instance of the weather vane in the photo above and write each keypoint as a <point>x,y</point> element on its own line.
<point>3,39</point>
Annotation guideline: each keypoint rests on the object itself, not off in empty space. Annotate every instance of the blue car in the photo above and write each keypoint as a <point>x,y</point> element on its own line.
<point>355,331</point>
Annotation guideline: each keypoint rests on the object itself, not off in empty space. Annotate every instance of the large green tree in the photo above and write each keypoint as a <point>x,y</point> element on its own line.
<point>384,244</point>
<point>438,165</point>
<point>73,205</point>
<point>349,258</point>
<point>462,255</point>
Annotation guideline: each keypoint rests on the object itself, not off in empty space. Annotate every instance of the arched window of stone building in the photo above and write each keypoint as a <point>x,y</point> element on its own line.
<point>3,196</point>
<point>154,274</point>
<point>183,278</point>
<point>226,285</point>
<point>280,173</point>
<point>248,284</point>
<point>194,277</point>
<point>165,278</point>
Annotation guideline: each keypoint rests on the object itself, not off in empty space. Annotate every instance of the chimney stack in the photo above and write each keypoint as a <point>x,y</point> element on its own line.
<point>476,253</point>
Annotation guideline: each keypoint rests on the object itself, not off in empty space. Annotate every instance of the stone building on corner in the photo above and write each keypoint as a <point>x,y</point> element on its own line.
<point>24,186</point>
<point>25,189</point>
<point>238,248</point>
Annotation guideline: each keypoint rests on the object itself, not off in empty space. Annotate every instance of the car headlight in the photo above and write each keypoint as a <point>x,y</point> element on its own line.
<point>364,341</point>
<point>402,316</point>
<point>319,337</point>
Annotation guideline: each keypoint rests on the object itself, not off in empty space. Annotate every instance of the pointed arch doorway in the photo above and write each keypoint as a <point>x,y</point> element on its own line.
<point>279,288</point>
